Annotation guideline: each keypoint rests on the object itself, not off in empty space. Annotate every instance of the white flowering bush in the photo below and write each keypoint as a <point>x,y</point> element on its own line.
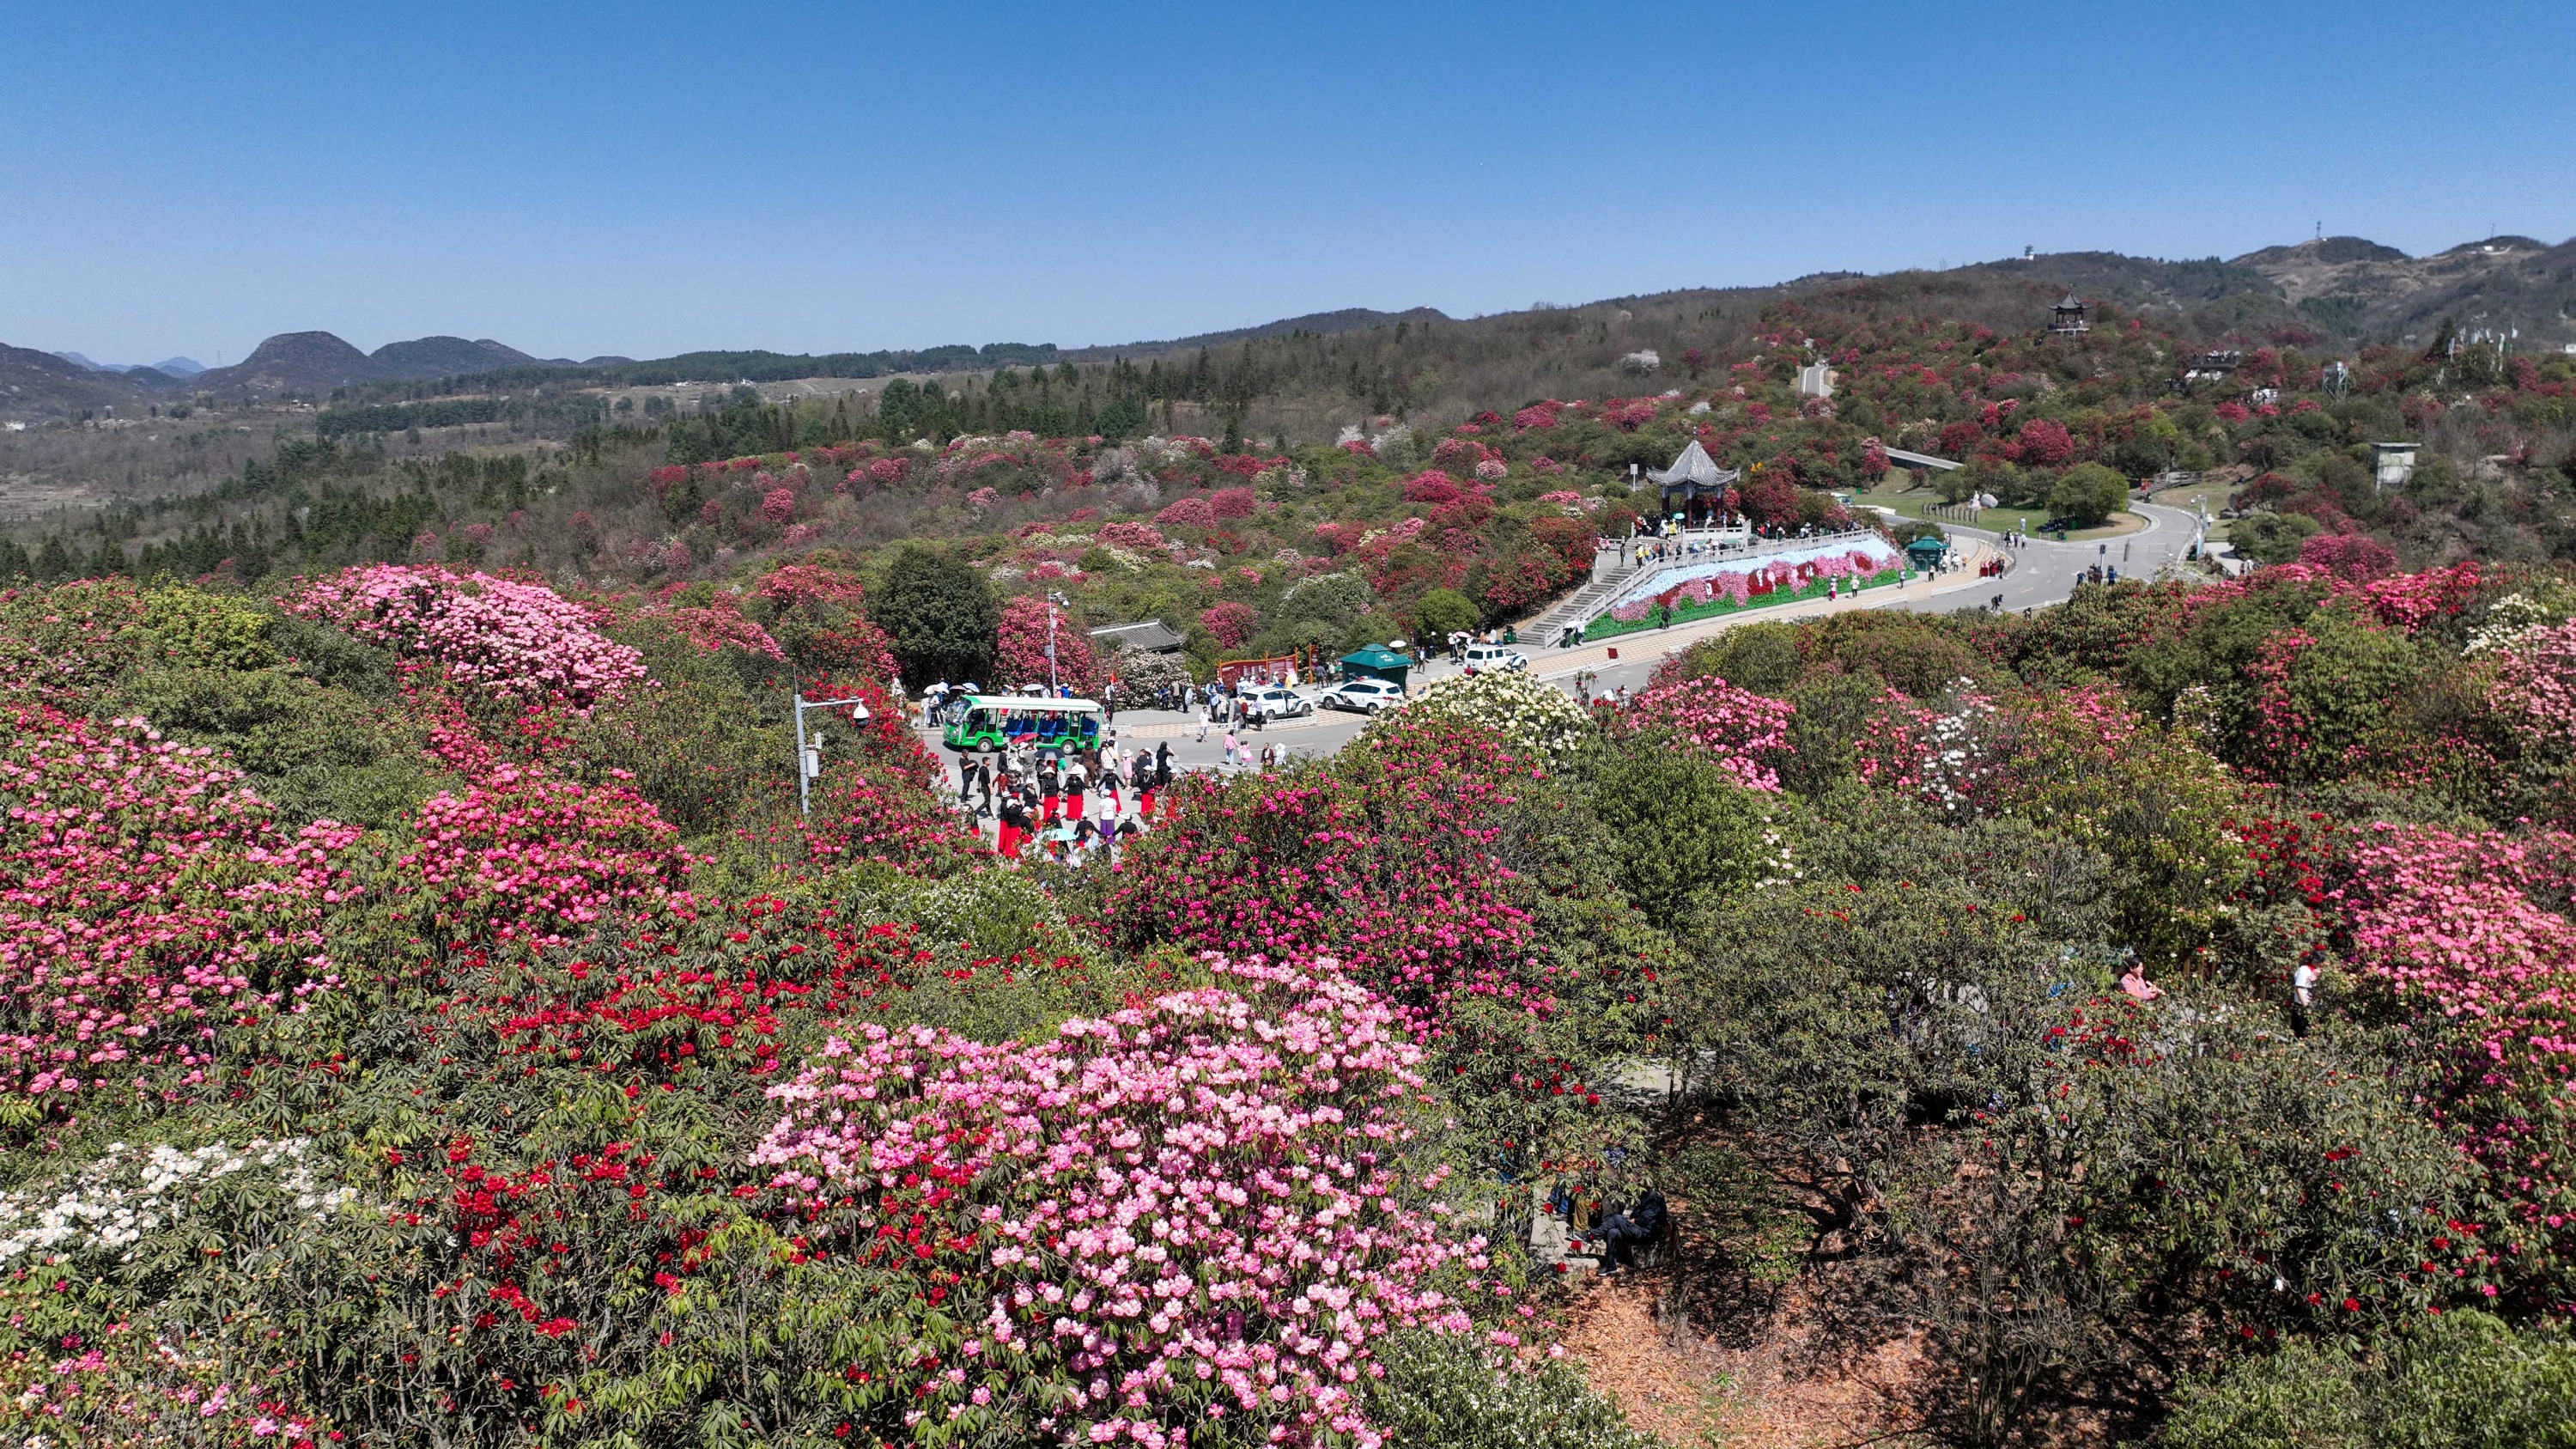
<point>125,1193</point>
<point>1530,717</point>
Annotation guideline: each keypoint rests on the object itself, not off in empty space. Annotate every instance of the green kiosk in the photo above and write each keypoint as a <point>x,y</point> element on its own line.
<point>1926,553</point>
<point>1377,662</point>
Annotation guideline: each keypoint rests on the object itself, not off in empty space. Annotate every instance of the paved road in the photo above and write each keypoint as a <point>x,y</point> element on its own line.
<point>2038,574</point>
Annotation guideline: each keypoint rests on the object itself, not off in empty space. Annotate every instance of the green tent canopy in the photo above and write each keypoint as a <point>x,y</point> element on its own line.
<point>1926,552</point>
<point>1377,662</point>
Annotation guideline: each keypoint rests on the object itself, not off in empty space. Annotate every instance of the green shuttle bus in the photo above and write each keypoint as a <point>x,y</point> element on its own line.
<point>1003,721</point>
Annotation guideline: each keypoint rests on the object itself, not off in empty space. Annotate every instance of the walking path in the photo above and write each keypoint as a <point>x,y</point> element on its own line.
<point>1654,644</point>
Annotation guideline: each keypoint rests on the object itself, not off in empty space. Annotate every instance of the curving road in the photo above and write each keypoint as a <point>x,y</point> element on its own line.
<point>2037,574</point>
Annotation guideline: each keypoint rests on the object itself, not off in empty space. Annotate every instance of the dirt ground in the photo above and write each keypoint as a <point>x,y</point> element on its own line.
<point>1789,1386</point>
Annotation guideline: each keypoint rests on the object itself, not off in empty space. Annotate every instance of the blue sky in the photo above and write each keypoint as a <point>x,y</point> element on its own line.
<point>646,179</point>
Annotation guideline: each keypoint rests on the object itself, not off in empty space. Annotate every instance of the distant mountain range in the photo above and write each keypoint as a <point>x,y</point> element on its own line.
<point>2338,291</point>
<point>174,366</point>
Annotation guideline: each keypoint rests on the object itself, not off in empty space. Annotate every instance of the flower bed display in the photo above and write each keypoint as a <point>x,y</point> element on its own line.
<point>1699,591</point>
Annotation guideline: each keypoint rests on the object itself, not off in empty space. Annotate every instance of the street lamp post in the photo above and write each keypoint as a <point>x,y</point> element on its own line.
<point>1055,601</point>
<point>809,753</point>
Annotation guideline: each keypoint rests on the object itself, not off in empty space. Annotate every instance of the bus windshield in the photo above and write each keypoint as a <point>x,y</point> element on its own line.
<point>996,723</point>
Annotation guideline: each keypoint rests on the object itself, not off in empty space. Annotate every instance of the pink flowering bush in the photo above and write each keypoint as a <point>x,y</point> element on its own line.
<point>1194,1217</point>
<point>149,906</point>
<point>1226,503</point>
<point>2470,929</point>
<point>520,641</point>
<point>1746,734</point>
<point>2534,688</point>
<point>527,858</point>
<point>1230,623</point>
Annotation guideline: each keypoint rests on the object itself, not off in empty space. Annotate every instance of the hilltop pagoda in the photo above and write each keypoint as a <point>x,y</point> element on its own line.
<point>2067,317</point>
<point>1694,487</point>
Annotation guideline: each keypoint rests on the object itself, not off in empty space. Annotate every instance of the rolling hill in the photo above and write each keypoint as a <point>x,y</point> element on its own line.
<point>2331,293</point>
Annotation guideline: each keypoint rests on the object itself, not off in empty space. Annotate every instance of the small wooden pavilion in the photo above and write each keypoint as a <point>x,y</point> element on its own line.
<point>1695,487</point>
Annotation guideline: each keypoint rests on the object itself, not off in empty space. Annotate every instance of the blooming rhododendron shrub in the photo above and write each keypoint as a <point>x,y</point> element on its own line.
<point>1230,623</point>
<point>1743,732</point>
<point>1192,512</point>
<point>520,641</point>
<point>1383,861</point>
<point>149,907</point>
<point>1431,486</point>
<point>1522,715</point>
<point>2470,929</point>
<point>2356,557</point>
<point>2326,697</point>
<point>816,614</point>
<point>1194,1212</point>
<point>1022,656</point>
<point>528,858</point>
<point>2535,688</point>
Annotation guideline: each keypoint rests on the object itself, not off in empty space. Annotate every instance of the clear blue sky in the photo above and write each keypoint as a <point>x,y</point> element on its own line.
<point>647,179</point>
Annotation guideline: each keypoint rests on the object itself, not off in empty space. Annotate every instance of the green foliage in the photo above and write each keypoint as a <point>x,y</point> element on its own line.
<point>2273,538</point>
<point>2087,494</point>
<point>1444,612</point>
<point>1686,832</point>
<point>1761,656</point>
<point>315,751</point>
<point>941,613</point>
<point>1452,1392</point>
<point>2461,1379</point>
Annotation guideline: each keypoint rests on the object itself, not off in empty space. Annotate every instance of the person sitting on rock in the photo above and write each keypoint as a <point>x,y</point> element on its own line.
<point>1621,1232</point>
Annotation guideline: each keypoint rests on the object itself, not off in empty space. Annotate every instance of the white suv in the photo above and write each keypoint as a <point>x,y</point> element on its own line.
<point>1272,701</point>
<point>1494,659</point>
<point>1366,694</point>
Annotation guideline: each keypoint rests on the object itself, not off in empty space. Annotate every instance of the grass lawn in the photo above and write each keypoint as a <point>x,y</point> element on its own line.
<point>1915,502</point>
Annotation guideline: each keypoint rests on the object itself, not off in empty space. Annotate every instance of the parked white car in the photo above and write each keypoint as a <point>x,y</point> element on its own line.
<point>1365,695</point>
<point>1274,701</point>
<point>1494,659</point>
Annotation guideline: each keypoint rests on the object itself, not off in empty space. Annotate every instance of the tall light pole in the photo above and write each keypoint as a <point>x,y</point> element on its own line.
<point>809,753</point>
<point>1055,600</point>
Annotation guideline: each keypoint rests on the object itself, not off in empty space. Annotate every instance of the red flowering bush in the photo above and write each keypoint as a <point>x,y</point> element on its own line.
<point>1384,862</point>
<point>2045,443</point>
<point>1227,503</point>
<point>1022,653</point>
<point>1431,486</point>
<point>815,612</point>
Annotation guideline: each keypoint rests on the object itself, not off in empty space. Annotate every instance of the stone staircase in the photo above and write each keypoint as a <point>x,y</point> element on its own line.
<point>1578,607</point>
